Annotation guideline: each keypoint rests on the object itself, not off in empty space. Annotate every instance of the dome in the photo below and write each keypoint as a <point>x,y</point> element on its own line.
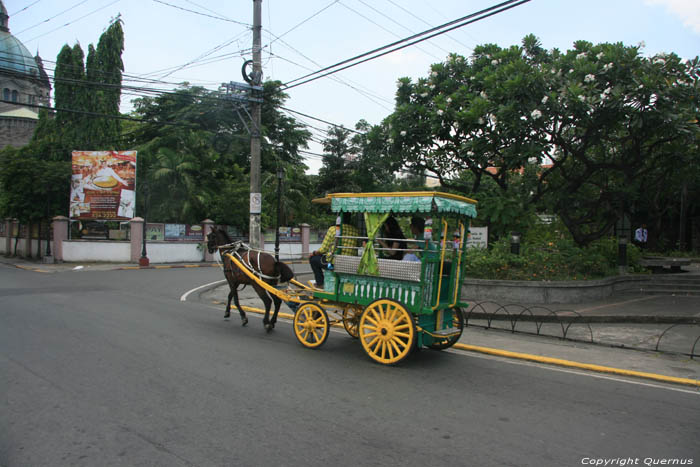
<point>14,56</point>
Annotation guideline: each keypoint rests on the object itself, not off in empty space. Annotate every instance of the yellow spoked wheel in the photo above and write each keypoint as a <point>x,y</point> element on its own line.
<point>457,317</point>
<point>351,320</point>
<point>311,325</point>
<point>387,331</point>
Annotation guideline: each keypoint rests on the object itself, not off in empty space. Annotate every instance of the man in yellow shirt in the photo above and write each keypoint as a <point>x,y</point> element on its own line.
<point>321,258</point>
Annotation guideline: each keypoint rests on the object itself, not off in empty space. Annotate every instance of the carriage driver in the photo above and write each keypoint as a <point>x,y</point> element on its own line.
<point>321,258</point>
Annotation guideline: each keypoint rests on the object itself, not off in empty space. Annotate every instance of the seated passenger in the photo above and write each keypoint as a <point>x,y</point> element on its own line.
<point>395,245</point>
<point>321,258</point>
<point>417,226</point>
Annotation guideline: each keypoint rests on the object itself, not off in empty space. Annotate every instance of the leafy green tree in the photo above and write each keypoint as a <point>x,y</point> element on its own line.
<point>596,119</point>
<point>198,141</point>
<point>336,173</point>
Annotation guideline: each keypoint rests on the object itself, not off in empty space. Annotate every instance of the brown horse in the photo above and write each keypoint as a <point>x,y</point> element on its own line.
<point>261,264</point>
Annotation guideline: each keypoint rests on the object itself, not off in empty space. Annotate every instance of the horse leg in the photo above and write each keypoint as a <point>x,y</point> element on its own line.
<point>227,314</point>
<point>244,318</point>
<point>278,303</point>
<point>262,293</point>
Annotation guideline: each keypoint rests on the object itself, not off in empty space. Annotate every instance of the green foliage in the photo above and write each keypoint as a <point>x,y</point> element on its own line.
<point>548,252</point>
<point>603,118</point>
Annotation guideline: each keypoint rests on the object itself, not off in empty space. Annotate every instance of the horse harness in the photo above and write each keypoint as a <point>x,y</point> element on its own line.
<point>233,248</point>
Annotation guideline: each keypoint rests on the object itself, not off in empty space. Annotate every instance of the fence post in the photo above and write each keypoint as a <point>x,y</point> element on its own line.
<point>305,238</point>
<point>136,227</point>
<point>60,233</point>
<point>207,226</point>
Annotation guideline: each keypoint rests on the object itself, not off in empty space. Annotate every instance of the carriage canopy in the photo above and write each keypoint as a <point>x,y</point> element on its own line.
<point>412,201</point>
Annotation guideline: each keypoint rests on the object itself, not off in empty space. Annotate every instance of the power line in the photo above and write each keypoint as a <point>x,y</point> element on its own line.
<point>301,23</point>
<point>403,43</point>
<point>427,23</point>
<point>26,7</point>
<point>385,29</point>
<point>320,120</point>
<point>52,17</point>
<point>73,21</point>
<point>221,18</point>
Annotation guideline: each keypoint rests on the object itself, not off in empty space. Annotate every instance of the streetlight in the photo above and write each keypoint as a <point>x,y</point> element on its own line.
<point>515,243</point>
<point>280,176</point>
<point>143,260</point>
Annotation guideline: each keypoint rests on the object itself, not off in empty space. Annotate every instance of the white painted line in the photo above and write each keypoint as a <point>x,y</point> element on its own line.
<point>184,296</point>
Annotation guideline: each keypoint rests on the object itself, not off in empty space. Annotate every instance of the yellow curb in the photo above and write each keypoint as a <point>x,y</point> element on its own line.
<point>30,268</point>
<point>546,360</point>
<point>582,366</point>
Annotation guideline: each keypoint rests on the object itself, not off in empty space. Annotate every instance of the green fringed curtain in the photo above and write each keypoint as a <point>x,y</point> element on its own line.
<point>368,262</point>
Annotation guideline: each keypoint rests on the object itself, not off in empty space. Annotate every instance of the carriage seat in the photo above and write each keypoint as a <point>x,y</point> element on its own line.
<point>389,268</point>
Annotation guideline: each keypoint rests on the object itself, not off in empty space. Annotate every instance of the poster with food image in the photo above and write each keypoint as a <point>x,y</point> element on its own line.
<point>103,185</point>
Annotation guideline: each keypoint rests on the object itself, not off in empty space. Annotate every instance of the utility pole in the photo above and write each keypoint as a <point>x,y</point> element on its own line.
<point>255,191</point>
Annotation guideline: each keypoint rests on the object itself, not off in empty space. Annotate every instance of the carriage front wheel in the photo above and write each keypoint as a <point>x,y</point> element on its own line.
<point>311,325</point>
<point>387,331</point>
<point>351,320</point>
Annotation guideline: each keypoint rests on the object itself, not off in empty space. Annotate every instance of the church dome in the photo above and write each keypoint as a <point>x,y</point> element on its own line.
<point>14,56</point>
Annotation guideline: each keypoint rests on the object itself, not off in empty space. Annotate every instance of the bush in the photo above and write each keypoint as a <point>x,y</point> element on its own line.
<point>549,255</point>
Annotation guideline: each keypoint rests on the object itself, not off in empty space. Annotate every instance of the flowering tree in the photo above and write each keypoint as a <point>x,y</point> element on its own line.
<point>593,120</point>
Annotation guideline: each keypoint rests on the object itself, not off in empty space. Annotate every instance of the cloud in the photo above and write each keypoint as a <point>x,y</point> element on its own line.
<point>687,10</point>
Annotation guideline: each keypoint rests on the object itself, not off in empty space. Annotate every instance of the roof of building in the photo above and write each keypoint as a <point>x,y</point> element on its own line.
<point>14,56</point>
<point>20,112</point>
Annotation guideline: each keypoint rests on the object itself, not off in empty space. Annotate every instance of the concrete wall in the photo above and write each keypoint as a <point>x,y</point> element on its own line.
<point>86,250</point>
<point>164,252</point>
<point>549,292</point>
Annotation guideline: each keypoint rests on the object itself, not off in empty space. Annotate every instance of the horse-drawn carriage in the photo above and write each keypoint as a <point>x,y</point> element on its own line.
<point>392,306</point>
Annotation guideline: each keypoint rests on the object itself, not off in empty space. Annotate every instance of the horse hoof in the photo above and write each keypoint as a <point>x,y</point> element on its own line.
<point>227,315</point>
<point>268,327</point>
<point>244,321</point>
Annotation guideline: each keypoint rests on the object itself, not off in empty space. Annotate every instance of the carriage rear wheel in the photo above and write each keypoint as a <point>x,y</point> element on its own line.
<point>387,331</point>
<point>457,325</point>
<point>311,325</point>
<point>351,320</point>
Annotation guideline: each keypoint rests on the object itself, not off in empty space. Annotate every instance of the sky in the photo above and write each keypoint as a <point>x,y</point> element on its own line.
<point>205,42</point>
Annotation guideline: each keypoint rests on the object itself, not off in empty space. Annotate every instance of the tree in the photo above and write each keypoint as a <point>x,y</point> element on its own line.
<point>198,141</point>
<point>338,159</point>
<point>599,117</point>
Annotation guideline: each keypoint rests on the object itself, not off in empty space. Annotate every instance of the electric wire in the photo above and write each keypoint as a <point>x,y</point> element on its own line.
<point>25,8</point>
<point>221,18</point>
<point>409,12</point>
<point>386,29</point>
<point>406,42</point>
<point>73,21</point>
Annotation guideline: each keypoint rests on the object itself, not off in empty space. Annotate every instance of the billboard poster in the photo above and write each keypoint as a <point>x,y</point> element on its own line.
<point>183,232</point>
<point>103,185</point>
<point>155,232</point>
<point>175,231</point>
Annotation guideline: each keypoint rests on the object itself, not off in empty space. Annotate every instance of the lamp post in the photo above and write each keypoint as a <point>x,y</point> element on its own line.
<point>280,176</point>
<point>143,260</point>
<point>515,243</point>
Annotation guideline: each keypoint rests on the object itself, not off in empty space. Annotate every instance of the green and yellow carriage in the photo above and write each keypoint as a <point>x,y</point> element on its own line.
<point>392,306</point>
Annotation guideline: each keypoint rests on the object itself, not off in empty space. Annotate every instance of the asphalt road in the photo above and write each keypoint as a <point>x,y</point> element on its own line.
<point>111,368</point>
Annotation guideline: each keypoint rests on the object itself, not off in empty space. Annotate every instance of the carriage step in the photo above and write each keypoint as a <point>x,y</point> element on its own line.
<point>447,332</point>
